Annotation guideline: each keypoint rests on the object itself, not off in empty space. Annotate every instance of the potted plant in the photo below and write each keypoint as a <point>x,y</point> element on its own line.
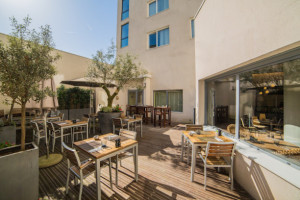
<point>113,73</point>
<point>25,61</point>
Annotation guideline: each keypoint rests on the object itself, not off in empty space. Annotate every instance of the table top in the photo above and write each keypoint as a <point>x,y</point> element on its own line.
<point>206,136</point>
<point>93,148</point>
<point>67,123</point>
<point>132,120</point>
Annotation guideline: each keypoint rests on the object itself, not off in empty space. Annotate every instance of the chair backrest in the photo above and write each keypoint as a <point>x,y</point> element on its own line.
<point>262,116</point>
<point>220,149</point>
<point>117,122</point>
<point>128,134</point>
<point>35,126</point>
<point>61,115</point>
<point>193,127</point>
<point>85,119</point>
<point>50,126</point>
<point>136,116</point>
<point>242,122</point>
<point>71,155</point>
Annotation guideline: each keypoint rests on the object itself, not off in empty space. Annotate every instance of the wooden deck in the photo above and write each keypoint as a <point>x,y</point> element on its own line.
<point>161,175</point>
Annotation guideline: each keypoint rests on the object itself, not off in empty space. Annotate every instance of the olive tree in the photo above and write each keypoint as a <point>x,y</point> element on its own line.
<point>25,61</point>
<point>115,71</point>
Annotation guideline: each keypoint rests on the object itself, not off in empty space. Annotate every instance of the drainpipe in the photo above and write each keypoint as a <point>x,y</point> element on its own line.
<point>237,106</point>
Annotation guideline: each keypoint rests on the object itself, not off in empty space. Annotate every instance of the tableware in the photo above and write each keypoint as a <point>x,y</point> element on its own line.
<point>96,137</point>
<point>103,142</point>
<point>74,121</point>
<point>191,133</point>
<point>117,143</point>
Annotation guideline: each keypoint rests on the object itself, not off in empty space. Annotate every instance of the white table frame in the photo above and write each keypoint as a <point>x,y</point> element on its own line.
<point>194,153</point>
<point>71,126</point>
<point>98,160</point>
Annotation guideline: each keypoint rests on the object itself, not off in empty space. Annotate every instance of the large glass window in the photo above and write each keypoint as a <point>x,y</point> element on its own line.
<point>221,103</point>
<point>171,98</point>
<point>269,107</point>
<point>158,6</point>
<point>135,97</point>
<point>159,38</point>
<point>124,35</point>
<point>125,9</point>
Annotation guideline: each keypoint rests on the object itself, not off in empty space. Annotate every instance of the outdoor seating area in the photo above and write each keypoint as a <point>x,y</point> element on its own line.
<point>159,159</point>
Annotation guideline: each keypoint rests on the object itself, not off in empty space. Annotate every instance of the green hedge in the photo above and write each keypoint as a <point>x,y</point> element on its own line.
<point>72,98</point>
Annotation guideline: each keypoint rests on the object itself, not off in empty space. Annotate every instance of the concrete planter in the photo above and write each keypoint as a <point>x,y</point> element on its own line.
<point>8,133</point>
<point>105,120</point>
<point>19,172</point>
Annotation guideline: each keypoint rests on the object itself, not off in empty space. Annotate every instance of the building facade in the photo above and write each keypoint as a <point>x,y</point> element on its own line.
<point>247,58</point>
<point>160,34</point>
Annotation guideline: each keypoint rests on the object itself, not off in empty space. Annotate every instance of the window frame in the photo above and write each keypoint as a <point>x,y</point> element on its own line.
<point>124,11</point>
<point>136,96</point>
<point>124,37</point>
<point>156,37</point>
<point>156,7</point>
<point>167,98</point>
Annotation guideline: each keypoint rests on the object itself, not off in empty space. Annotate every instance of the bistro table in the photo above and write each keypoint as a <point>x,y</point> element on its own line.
<point>196,141</point>
<point>93,149</point>
<point>134,121</point>
<point>69,124</point>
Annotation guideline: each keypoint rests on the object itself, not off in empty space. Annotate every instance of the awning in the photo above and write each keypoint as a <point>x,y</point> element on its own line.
<point>85,82</point>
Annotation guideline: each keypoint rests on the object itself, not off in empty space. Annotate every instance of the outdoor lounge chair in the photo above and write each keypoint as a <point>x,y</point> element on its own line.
<point>129,134</point>
<point>118,124</point>
<point>79,169</point>
<point>55,133</point>
<point>38,132</point>
<point>214,157</point>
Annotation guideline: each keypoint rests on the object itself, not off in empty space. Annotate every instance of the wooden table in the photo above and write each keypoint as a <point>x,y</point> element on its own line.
<point>198,141</point>
<point>134,121</point>
<point>90,147</point>
<point>163,112</point>
<point>69,124</point>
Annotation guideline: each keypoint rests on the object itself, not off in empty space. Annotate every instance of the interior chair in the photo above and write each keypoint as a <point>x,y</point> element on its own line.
<point>118,158</point>
<point>55,133</point>
<point>80,169</point>
<point>249,128</point>
<point>38,132</point>
<point>157,113</point>
<point>256,123</point>
<point>187,146</point>
<point>215,156</point>
<point>148,114</point>
<point>80,130</point>
<point>278,128</point>
<point>118,124</point>
<point>262,117</point>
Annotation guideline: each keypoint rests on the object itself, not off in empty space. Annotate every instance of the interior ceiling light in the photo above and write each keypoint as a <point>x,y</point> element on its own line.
<point>272,85</point>
<point>260,93</point>
<point>265,88</point>
<point>267,92</point>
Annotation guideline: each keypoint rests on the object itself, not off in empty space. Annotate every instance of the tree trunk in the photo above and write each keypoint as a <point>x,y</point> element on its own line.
<point>110,101</point>
<point>10,111</point>
<point>23,128</point>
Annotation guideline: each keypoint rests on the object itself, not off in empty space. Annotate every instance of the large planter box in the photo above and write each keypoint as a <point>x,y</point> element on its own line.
<point>8,134</point>
<point>19,173</point>
<point>105,120</point>
<point>75,113</point>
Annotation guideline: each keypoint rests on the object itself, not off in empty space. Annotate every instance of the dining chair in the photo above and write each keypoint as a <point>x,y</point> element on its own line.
<point>249,128</point>
<point>80,130</point>
<point>215,156</point>
<point>118,124</point>
<point>126,154</point>
<point>187,145</point>
<point>80,169</point>
<point>38,132</point>
<point>55,133</point>
<point>262,117</point>
<point>148,114</point>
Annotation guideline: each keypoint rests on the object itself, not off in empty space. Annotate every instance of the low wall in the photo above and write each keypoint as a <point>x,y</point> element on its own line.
<point>263,182</point>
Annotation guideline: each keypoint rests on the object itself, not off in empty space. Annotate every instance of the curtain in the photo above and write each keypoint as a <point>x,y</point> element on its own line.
<point>175,100</point>
<point>160,98</point>
<point>162,5</point>
<point>152,8</point>
<point>163,37</point>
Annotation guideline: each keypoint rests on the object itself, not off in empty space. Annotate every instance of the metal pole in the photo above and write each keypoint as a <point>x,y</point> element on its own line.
<point>237,107</point>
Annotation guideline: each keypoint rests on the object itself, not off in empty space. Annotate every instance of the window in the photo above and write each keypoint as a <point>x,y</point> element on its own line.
<point>125,9</point>
<point>171,98</point>
<point>124,35</point>
<point>159,38</point>
<point>158,6</point>
<point>135,97</point>
<point>266,109</point>
<point>192,28</point>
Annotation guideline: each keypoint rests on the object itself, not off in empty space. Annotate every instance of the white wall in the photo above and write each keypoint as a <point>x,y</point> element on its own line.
<point>172,66</point>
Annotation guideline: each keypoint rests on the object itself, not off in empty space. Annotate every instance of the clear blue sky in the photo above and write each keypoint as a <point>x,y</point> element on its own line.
<point>78,26</point>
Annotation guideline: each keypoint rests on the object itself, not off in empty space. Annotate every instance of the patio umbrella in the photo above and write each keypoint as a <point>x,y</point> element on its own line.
<point>46,104</point>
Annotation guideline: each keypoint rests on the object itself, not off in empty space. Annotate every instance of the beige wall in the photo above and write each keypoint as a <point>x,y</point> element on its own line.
<point>233,33</point>
<point>69,66</point>
<point>171,66</point>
